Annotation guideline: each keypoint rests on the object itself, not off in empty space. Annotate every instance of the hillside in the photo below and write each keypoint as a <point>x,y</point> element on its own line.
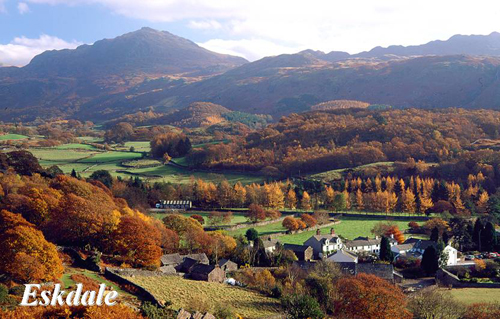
<point>197,114</point>
<point>57,83</point>
<point>339,104</point>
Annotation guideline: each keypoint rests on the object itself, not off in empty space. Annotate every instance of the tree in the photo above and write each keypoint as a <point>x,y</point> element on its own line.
<point>386,253</point>
<point>102,176</point>
<point>430,260</point>
<point>26,256</point>
<point>24,163</point>
<point>434,303</point>
<point>367,296</point>
<point>321,217</point>
<point>301,306</point>
<point>255,213</point>
<point>488,237</point>
<point>252,234</point>
<point>308,220</point>
<point>435,234</point>
<point>290,223</point>
<point>73,173</point>
<point>198,218</point>
<point>476,235</point>
<point>137,242</point>
<point>339,202</point>
<point>305,203</point>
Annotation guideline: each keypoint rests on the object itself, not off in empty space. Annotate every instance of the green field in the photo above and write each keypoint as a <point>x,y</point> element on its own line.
<point>8,137</point>
<point>349,227</point>
<point>85,159</point>
<point>184,293</point>
<point>476,295</point>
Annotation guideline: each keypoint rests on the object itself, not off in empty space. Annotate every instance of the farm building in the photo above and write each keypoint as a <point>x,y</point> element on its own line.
<point>227,265</point>
<point>323,245</point>
<point>302,252</point>
<point>174,204</point>
<point>208,273</point>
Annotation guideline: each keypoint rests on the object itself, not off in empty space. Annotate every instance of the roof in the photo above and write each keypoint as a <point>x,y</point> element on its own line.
<point>321,238</point>
<point>202,269</point>
<point>202,258</point>
<point>384,271</point>
<point>171,259</point>
<point>411,241</point>
<point>168,270</point>
<point>187,264</point>
<point>270,243</point>
<point>424,244</point>
<point>362,241</point>
<point>342,256</point>
<point>405,246</point>
<point>225,261</point>
<point>297,248</point>
<point>175,202</point>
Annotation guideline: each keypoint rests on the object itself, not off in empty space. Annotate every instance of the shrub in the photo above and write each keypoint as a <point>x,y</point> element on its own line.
<point>198,218</point>
<point>224,312</point>
<point>301,306</point>
<point>153,312</point>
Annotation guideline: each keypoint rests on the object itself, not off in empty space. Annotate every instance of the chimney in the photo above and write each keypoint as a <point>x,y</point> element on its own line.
<point>318,231</point>
<point>392,236</point>
<point>376,237</point>
<point>332,231</point>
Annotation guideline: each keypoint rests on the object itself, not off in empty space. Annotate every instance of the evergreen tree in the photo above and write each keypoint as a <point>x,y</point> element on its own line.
<point>430,260</point>
<point>446,237</point>
<point>476,235</point>
<point>73,173</point>
<point>488,237</point>
<point>252,234</point>
<point>435,234</point>
<point>385,250</point>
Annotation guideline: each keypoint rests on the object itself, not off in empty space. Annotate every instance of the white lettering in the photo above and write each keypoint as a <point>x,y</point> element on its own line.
<point>88,298</point>
<point>57,296</point>
<point>108,300</point>
<point>45,296</point>
<point>28,293</point>
<point>100,295</point>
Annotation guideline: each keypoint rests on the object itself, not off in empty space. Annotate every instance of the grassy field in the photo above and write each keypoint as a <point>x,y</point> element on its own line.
<point>476,295</point>
<point>238,218</point>
<point>184,293</point>
<point>8,137</point>
<point>350,228</point>
<point>337,173</point>
<point>75,146</point>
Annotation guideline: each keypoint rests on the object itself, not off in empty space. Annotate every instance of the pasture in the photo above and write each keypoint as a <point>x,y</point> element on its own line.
<point>475,295</point>
<point>189,294</point>
<point>238,218</point>
<point>9,137</point>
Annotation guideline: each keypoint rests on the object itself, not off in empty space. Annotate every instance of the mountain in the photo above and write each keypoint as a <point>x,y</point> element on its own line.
<point>293,83</point>
<point>57,83</point>
<point>457,44</point>
<point>153,70</point>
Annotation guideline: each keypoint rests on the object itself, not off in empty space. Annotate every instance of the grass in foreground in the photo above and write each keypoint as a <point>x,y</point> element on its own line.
<point>184,293</point>
<point>476,295</point>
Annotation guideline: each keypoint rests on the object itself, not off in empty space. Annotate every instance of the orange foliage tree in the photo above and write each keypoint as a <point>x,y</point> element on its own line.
<point>368,296</point>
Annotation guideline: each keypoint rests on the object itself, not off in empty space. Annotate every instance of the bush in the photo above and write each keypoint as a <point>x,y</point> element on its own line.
<point>276,292</point>
<point>301,306</point>
<point>153,312</point>
<point>224,312</point>
<point>198,218</point>
<point>17,291</point>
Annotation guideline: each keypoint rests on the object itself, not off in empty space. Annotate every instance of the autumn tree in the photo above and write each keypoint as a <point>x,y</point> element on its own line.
<point>291,199</point>
<point>305,203</point>
<point>290,223</point>
<point>308,220</point>
<point>368,296</point>
<point>26,256</point>
<point>255,213</point>
<point>137,242</point>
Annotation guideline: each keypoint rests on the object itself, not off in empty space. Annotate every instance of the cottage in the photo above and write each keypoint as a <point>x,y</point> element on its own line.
<point>365,244</point>
<point>421,245</point>
<point>302,252</point>
<point>208,273</point>
<point>227,265</point>
<point>171,260</point>
<point>323,245</point>
<point>174,204</point>
<point>270,244</point>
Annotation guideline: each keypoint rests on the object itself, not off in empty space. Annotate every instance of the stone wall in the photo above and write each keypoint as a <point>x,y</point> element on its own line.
<point>116,275</point>
<point>447,279</point>
<point>279,234</point>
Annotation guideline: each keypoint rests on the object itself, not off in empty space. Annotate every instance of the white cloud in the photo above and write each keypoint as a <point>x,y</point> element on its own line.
<point>23,7</point>
<point>326,25</point>
<point>205,24</point>
<point>21,50</point>
<point>250,49</point>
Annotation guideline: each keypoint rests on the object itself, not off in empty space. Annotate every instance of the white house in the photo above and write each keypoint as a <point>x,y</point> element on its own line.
<point>421,245</point>
<point>324,245</point>
<point>365,244</point>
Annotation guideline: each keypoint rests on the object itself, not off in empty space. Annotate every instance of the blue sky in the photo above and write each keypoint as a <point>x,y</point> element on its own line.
<point>252,29</point>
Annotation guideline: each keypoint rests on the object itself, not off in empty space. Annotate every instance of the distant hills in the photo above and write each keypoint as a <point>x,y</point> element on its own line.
<point>156,70</point>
